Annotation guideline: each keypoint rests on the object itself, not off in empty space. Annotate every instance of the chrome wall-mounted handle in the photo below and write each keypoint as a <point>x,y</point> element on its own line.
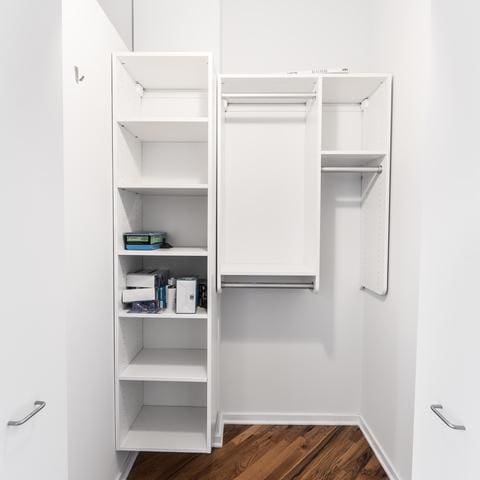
<point>435,409</point>
<point>39,405</point>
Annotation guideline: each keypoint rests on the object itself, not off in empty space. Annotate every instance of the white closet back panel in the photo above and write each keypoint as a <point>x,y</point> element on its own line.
<point>264,180</point>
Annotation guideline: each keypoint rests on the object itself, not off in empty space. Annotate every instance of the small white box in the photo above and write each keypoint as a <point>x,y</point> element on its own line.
<point>186,295</point>
<point>139,295</point>
<point>142,279</point>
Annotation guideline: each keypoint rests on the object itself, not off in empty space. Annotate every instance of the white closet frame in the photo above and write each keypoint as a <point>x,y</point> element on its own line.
<point>269,130</point>
<point>164,164</point>
<point>356,137</point>
<point>350,133</point>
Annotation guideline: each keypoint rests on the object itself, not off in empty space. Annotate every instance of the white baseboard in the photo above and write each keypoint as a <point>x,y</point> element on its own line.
<point>378,450</point>
<point>127,466</point>
<point>267,418</point>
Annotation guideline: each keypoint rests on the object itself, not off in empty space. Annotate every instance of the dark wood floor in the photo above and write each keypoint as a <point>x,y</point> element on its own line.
<point>265,452</point>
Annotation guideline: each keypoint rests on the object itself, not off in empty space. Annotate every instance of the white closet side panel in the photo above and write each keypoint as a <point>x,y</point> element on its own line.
<point>313,184</point>
<point>375,208</point>
<point>213,324</point>
<point>376,192</point>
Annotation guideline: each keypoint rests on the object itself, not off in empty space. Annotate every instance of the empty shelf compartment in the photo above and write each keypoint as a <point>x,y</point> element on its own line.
<point>168,429</point>
<point>167,365</point>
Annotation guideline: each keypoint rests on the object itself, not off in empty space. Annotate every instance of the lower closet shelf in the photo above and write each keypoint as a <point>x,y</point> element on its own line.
<point>168,429</point>
<point>167,365</point>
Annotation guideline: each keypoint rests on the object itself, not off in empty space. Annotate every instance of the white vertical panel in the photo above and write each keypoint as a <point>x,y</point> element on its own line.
<point>32,338</point>
<point>447,354</point>
<point>89,39</point>
<point>399,45</point>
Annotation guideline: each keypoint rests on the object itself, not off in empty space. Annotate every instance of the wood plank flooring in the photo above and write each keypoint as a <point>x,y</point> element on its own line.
<point>266,452</point>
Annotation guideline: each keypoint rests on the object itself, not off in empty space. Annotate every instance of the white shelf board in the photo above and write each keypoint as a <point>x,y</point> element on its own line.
<point>345,158</point>
<point>193,190</point>
<point>171,129</point>
<point>168,71</point>
<point>200,314</point>
<point>168,429</point>
<point>167,252</point>
<point>167,365</point>
<point>350,89</point>
<point>269,83</point>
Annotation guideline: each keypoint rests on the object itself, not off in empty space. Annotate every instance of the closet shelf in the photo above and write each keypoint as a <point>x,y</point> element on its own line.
<point>168,429</point>
<point>193,190</point>
<point>171,129</point>
<point>347,158</point>
<point>167,365</point>
<point>200,314</point>
<point>167,252</point>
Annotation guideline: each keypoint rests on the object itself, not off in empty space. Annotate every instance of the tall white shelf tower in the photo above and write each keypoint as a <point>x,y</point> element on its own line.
<point>165,179</point>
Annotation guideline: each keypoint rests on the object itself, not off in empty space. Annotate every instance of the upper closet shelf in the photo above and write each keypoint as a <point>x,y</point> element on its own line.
<point>168,71</point>
<point>340,158</point>
<point>268,84</point>
<point>192,190</point>
<point>177,129</point>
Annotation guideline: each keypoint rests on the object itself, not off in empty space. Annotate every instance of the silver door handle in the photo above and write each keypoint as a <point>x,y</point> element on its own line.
<point>435,409</point>
<point>38,406</point>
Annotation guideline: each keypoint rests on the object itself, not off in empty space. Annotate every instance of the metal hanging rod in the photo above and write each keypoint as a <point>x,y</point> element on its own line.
<point>268,95</point>
<point>308,286</point>
<point>275,98</point>
<point>378,170</point>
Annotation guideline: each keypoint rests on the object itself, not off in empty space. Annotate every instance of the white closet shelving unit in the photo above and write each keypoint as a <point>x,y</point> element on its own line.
<point>269,181</point>
<point>277,135</point>
<point>356,137</point>
<point>165,179</point>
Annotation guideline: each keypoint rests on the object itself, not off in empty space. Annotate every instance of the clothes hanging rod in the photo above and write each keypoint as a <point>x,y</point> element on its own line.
<point>269,95</point>
<point>378,170</point>
<point>309,286</point>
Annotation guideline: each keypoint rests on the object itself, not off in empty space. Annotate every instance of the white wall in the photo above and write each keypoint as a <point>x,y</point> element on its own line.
<point>182,25</point>
<point>283,35</point>
<point>400,32</point>
<point>120,14</point>
<point>298,352</point>
<point>32,339</point>
<point>89,39</point>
